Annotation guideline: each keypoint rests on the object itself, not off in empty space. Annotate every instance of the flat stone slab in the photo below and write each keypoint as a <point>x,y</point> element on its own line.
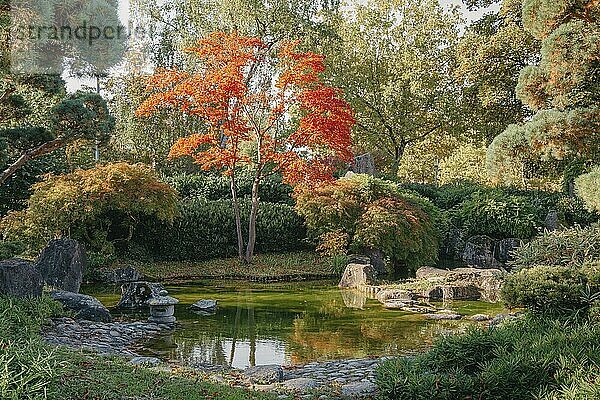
<point>358,389</point>
<point>300,384</point>
<point>264,374</point>
<point>442,316</point>
<point>480,317</point>
<point>84,306</point>
<point>145,361</point>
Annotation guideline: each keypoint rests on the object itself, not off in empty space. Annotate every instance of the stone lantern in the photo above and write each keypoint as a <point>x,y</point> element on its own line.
<point>162,308</point>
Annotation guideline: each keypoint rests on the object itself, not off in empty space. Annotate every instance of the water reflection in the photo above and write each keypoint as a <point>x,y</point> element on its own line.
<point>289,324</point>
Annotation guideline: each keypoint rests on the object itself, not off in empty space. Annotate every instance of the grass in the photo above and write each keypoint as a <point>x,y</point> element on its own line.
<point>265,267</point>
<point>31,369</point>
<point>531,358</point>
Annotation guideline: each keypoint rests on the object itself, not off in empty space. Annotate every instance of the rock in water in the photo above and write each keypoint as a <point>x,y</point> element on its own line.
<point>204,307</point>
<point>264,374</point>
<point>357,275</point>
<point>62,263</point>
<point>20,278</point>
<point>84,306</point>
<point>137,294</point>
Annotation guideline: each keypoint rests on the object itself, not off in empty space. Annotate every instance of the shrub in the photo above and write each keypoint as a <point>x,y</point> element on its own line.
<point>99,207</point>
<point>205,229</point>
<point>588,189</point>
<point>375,214</point>
<point>216,187</point>
<point>446,196</point>
<point>528,358</point>
<point>546,289</point>
<point>10,249</point>
<point>400,229</point>
<point>569,247</point>
<point>499,215</point>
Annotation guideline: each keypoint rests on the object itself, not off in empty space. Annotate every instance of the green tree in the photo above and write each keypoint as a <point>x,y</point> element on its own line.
<point>563,89</point>
<point>100,206</point>
<point>146,140</point>
<point>78,116</point>
<point>176,25</point>
<point>490,57</point>
<point>394,63</point>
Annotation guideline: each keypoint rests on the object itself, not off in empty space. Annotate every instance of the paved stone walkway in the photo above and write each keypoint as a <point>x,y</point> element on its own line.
<point>114,338</point>
<point>317,380</point>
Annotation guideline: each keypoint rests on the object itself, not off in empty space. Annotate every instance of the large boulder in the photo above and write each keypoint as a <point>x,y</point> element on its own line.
<point>364,164</point>
<point>504,249</point>
<point>137,294</point>
<point>84,306</point>
<point>479,252</point>
<point>358,274</point>
<point>62,263</point>
<point>20,278</point>
<point>453,244</point>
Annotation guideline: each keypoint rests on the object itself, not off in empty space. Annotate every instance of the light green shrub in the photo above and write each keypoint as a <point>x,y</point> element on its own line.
<point>99,207</point>
<point>588,188</point>
<point>569,247</point>
<point>546,289</point>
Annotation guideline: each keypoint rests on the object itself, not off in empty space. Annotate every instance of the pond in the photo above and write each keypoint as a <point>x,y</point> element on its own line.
<point>289,323</point>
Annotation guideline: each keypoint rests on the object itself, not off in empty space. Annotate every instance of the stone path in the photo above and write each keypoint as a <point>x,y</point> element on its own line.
<point>348,377</point>
<point>114,338</point>
<point>316,380</point>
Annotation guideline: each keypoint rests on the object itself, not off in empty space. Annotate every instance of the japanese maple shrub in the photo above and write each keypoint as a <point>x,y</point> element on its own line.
<point>264,107</point>
<point>367,214</point>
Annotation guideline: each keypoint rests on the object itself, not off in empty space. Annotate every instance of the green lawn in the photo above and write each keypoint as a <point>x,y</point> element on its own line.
<point>265,267</point>
<point>30,369</point>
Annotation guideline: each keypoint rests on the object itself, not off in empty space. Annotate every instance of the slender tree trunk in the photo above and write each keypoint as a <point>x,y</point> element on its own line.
<point>97,142</point>
<point>238,219</point>
<point>253,216</point>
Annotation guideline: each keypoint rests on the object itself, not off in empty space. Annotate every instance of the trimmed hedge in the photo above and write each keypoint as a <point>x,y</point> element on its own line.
<point>216,187</point>
<point>547,289</point>
<point>205,229</point>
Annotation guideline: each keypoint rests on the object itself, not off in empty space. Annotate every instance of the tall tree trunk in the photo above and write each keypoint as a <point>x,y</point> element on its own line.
<point>238,219</point>
<point>253,216</point>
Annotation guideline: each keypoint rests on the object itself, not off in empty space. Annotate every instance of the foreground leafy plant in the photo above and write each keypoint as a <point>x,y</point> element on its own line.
<point>524,359</point>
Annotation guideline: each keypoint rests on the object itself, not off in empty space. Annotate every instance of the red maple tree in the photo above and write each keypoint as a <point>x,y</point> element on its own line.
<point>268,95</point>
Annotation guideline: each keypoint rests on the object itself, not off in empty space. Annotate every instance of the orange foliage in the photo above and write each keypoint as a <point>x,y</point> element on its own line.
<point>247,91</point>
